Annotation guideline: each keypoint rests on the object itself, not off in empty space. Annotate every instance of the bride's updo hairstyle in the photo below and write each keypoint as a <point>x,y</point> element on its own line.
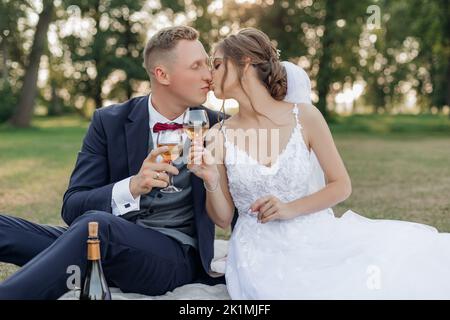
<point>253,44</point>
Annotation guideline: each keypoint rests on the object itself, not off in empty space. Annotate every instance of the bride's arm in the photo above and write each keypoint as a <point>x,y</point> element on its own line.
<point>219,204</point>
<point>338,187</point>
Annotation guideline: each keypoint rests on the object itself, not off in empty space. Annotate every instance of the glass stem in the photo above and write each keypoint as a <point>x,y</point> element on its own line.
<point>170,177</point>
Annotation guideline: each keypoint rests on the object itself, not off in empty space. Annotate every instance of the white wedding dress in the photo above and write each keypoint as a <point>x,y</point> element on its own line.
<point>320,256</point>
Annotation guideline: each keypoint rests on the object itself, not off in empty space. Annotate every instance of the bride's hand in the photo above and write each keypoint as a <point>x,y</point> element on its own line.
<point>202,163</point>
<point>271,208</point>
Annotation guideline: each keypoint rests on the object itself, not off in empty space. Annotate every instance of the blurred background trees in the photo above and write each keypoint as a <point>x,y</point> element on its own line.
<point>385,56</point>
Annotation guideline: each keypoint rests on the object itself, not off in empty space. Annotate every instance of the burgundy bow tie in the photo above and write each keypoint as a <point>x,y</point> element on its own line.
<point>166,126</point>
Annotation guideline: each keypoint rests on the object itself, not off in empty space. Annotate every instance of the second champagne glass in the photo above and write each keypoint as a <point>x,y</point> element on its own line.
<point>196,123</point>
<point>173,140</point>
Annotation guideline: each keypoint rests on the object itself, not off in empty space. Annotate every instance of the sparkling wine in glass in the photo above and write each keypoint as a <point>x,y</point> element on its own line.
<point>173,140</point>
<point>196,123</point>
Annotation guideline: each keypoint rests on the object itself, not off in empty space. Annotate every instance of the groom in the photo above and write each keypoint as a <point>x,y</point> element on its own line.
<point>151,242</point>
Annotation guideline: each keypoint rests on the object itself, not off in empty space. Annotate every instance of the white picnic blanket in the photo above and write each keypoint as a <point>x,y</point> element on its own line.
<point>193,291</point>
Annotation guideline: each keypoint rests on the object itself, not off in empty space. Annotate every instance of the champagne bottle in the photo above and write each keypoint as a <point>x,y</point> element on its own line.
<point>94,286</point>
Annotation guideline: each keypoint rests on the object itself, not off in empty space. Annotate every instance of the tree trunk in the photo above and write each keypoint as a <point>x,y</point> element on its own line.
<point>325,70</point>
<point>98,59</point>
<point>24,111</point>
<point>55,106</point>
<point>128,87</point>
<point>5,61</point>
<point>98,93</point>
<point>447,45</point>
<point>447,98</point>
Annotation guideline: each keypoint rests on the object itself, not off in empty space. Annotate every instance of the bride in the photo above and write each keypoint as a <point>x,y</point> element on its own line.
<point>287,243</point>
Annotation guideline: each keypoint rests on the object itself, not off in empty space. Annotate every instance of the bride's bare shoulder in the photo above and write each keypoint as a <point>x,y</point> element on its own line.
<point>312,122</point>
<point>308,110</point>
<point>310,115</point>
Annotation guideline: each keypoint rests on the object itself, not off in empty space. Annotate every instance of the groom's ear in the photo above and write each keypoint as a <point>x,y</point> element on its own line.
<point>161,75</point>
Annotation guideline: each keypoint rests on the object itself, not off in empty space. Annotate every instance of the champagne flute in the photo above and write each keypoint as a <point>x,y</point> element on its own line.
<point>195,123</point>
<point>173,140</point>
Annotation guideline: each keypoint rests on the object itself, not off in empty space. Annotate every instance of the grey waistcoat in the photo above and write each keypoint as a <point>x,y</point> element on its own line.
<point>171,214</point>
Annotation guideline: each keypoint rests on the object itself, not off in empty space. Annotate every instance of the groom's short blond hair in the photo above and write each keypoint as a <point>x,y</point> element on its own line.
<point>161,45</point>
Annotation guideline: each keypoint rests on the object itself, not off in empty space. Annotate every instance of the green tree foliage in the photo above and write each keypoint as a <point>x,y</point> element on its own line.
<point>324,32</point>
<point>94,50</point>
<point>12,53</point>
<point>112,42</point>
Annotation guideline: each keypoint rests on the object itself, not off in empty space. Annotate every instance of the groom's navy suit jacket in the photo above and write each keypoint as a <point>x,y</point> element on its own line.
<point>114,148</point>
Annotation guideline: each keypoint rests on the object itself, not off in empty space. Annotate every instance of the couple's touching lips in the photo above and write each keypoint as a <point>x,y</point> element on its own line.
<point>206,88</point>
<point>209,86</point>
<point>212,66</point>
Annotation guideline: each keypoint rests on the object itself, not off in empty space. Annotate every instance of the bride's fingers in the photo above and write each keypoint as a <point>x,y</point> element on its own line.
<point>268,213</point>
<point>195,170</point>
<point>271,216</point>
<point>264,208</point>
<point>195,157</point>
<point>191,165</point>
<point>258,203</point>
<point>197,149</point>
<point>269,204</point>
<point>208,157</point>
<point>198,159</point>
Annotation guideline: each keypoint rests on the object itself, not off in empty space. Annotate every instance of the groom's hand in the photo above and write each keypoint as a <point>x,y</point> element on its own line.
<point>152,174</point>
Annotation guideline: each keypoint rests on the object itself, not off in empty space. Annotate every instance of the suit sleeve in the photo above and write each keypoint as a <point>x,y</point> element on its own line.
<point>89,186</point>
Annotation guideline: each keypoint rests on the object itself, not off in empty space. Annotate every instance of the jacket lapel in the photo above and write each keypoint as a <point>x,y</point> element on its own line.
<point>137,135</point>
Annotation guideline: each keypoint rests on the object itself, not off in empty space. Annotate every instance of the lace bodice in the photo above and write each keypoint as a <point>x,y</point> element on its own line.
<point>287,178</point>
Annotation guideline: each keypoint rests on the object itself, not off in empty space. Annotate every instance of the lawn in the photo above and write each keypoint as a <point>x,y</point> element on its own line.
<point>399,166</point>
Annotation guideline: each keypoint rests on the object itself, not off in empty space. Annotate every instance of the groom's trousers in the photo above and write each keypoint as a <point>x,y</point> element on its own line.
<point>134,258</point>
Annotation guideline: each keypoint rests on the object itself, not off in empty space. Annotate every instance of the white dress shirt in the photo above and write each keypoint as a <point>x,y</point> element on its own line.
<point>122,200</point>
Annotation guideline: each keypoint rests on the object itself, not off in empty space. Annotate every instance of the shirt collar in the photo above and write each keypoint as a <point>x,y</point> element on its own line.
<point>156,117</point>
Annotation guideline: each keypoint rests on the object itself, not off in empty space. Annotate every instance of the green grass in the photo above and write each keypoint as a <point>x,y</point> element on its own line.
<point>389,124</point>
<point>35,167</point>
<point>400,168</point>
